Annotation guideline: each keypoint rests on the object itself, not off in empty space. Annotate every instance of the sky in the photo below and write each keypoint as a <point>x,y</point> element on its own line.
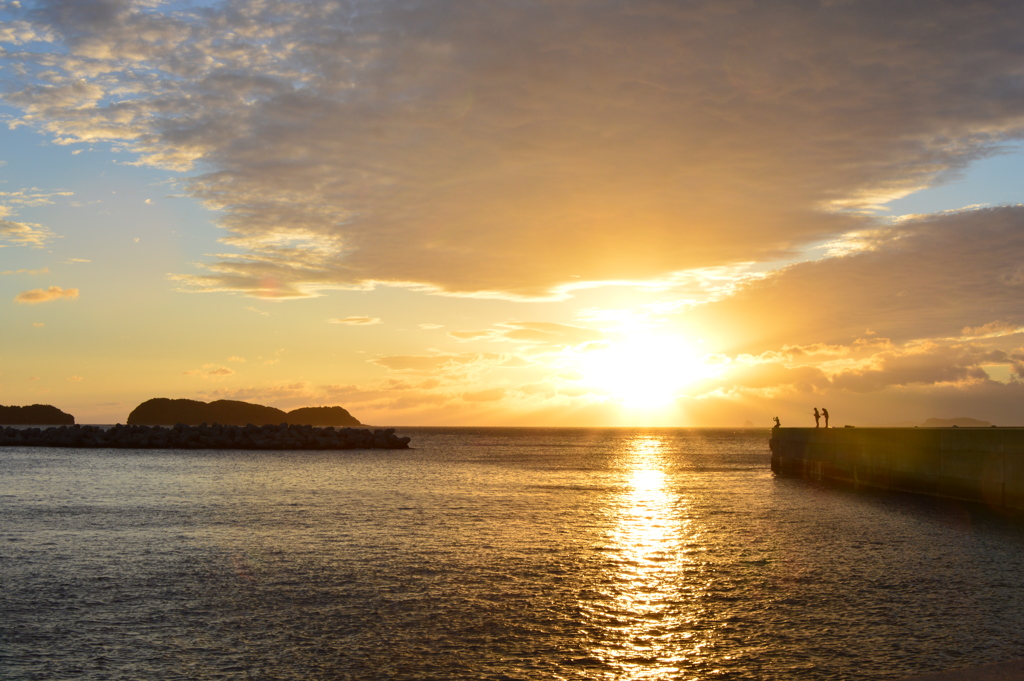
<point>518,212</point>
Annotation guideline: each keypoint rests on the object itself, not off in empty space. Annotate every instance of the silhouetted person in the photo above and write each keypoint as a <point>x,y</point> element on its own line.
<point>824,412</point>
<point>777,423</point>
<point>817,418</point>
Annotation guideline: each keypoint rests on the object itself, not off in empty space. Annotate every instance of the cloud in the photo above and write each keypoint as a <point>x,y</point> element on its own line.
<point>512,148</point>
<point>24,234</point>
<point>75,379</point>
<point>429,363</point>
<point>927,277</point>
<point>356,321</point>
<point>535,333</point>
<point>33,197</point>
<point>39,295</point>
<point>773,375</point>
<point>44,270</point>
<point>211,372</point>
<point>926,365</point>
<point>551,334</point>
<point>861,369</point>
<point>471,335</point>
<point>996,328</point>
<point>491,395</point>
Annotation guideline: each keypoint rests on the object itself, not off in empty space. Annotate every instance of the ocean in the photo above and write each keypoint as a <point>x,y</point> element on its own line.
<point>489,553</point>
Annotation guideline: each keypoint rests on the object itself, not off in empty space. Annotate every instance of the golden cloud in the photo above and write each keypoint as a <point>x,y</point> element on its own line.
<point>491,395</point>
<point>356,321</point>
<point>24,234</point>
<point>44,270</point>
<point>40,295</point>
<point>428,363</point>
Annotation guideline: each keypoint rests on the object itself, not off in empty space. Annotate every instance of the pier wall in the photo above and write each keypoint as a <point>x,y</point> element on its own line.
<point>984,465</point>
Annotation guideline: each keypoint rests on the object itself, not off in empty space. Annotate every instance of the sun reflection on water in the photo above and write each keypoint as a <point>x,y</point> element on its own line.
<point>647,621</point>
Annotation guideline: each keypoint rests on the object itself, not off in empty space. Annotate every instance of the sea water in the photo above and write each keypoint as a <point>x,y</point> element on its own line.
<point>490,554</point>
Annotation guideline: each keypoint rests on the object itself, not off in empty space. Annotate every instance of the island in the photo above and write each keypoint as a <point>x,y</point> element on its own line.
<point>161,411</point>
<point>163,423</point>
<point>35,415</point>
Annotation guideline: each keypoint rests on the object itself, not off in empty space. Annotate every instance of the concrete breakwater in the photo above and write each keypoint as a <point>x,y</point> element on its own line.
<point>217,436</point>
<point>984,465</point>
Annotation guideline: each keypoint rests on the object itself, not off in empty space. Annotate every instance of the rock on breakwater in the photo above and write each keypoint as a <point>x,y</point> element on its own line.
<point>204,436</point>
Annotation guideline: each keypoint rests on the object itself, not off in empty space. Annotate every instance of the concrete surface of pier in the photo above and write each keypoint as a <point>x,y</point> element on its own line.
<point>984,465</point>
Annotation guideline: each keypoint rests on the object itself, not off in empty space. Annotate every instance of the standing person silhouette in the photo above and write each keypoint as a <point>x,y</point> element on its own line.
<point>817,417</point>
<point>824,412</point>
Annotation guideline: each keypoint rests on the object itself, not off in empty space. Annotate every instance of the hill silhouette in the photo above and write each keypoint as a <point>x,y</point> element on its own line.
<point>961,422</point>
<point>35,415</point>
<point>161,411</point>
<point>322,416</point>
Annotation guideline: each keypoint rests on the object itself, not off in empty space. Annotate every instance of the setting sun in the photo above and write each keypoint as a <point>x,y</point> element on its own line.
<point>644,370</point>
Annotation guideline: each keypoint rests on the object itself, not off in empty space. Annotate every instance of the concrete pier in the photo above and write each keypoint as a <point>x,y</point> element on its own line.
<point>983,465</point>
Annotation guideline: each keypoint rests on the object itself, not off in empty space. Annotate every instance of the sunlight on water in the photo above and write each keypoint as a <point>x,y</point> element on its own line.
<point>651,619</point>
<point>528,554</point>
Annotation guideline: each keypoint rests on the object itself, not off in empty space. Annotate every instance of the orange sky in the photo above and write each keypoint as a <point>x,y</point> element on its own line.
<point>515,213</point>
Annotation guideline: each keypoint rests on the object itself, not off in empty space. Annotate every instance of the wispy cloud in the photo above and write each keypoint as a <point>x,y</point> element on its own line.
<point>355,321</point>
<point>44,270</point>
<point>28,198</point>
<point>211,372</point>
<point>535,333</point>
<point>431,363</point>
<point>490,395</point>
<point>24,234</point>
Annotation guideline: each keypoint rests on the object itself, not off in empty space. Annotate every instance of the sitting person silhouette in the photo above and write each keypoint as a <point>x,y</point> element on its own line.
<point>777,423</point>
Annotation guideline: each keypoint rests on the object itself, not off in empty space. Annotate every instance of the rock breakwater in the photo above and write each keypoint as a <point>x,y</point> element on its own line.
<point>204,436</point>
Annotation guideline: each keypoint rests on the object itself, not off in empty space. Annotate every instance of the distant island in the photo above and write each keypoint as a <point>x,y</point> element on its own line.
<point>959,422</point>
<point>962,422</point>
<point>35,415</point>
<point>161,411</point>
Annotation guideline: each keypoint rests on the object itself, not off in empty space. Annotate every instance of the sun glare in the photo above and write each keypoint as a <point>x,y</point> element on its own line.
<point>644,370</point>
